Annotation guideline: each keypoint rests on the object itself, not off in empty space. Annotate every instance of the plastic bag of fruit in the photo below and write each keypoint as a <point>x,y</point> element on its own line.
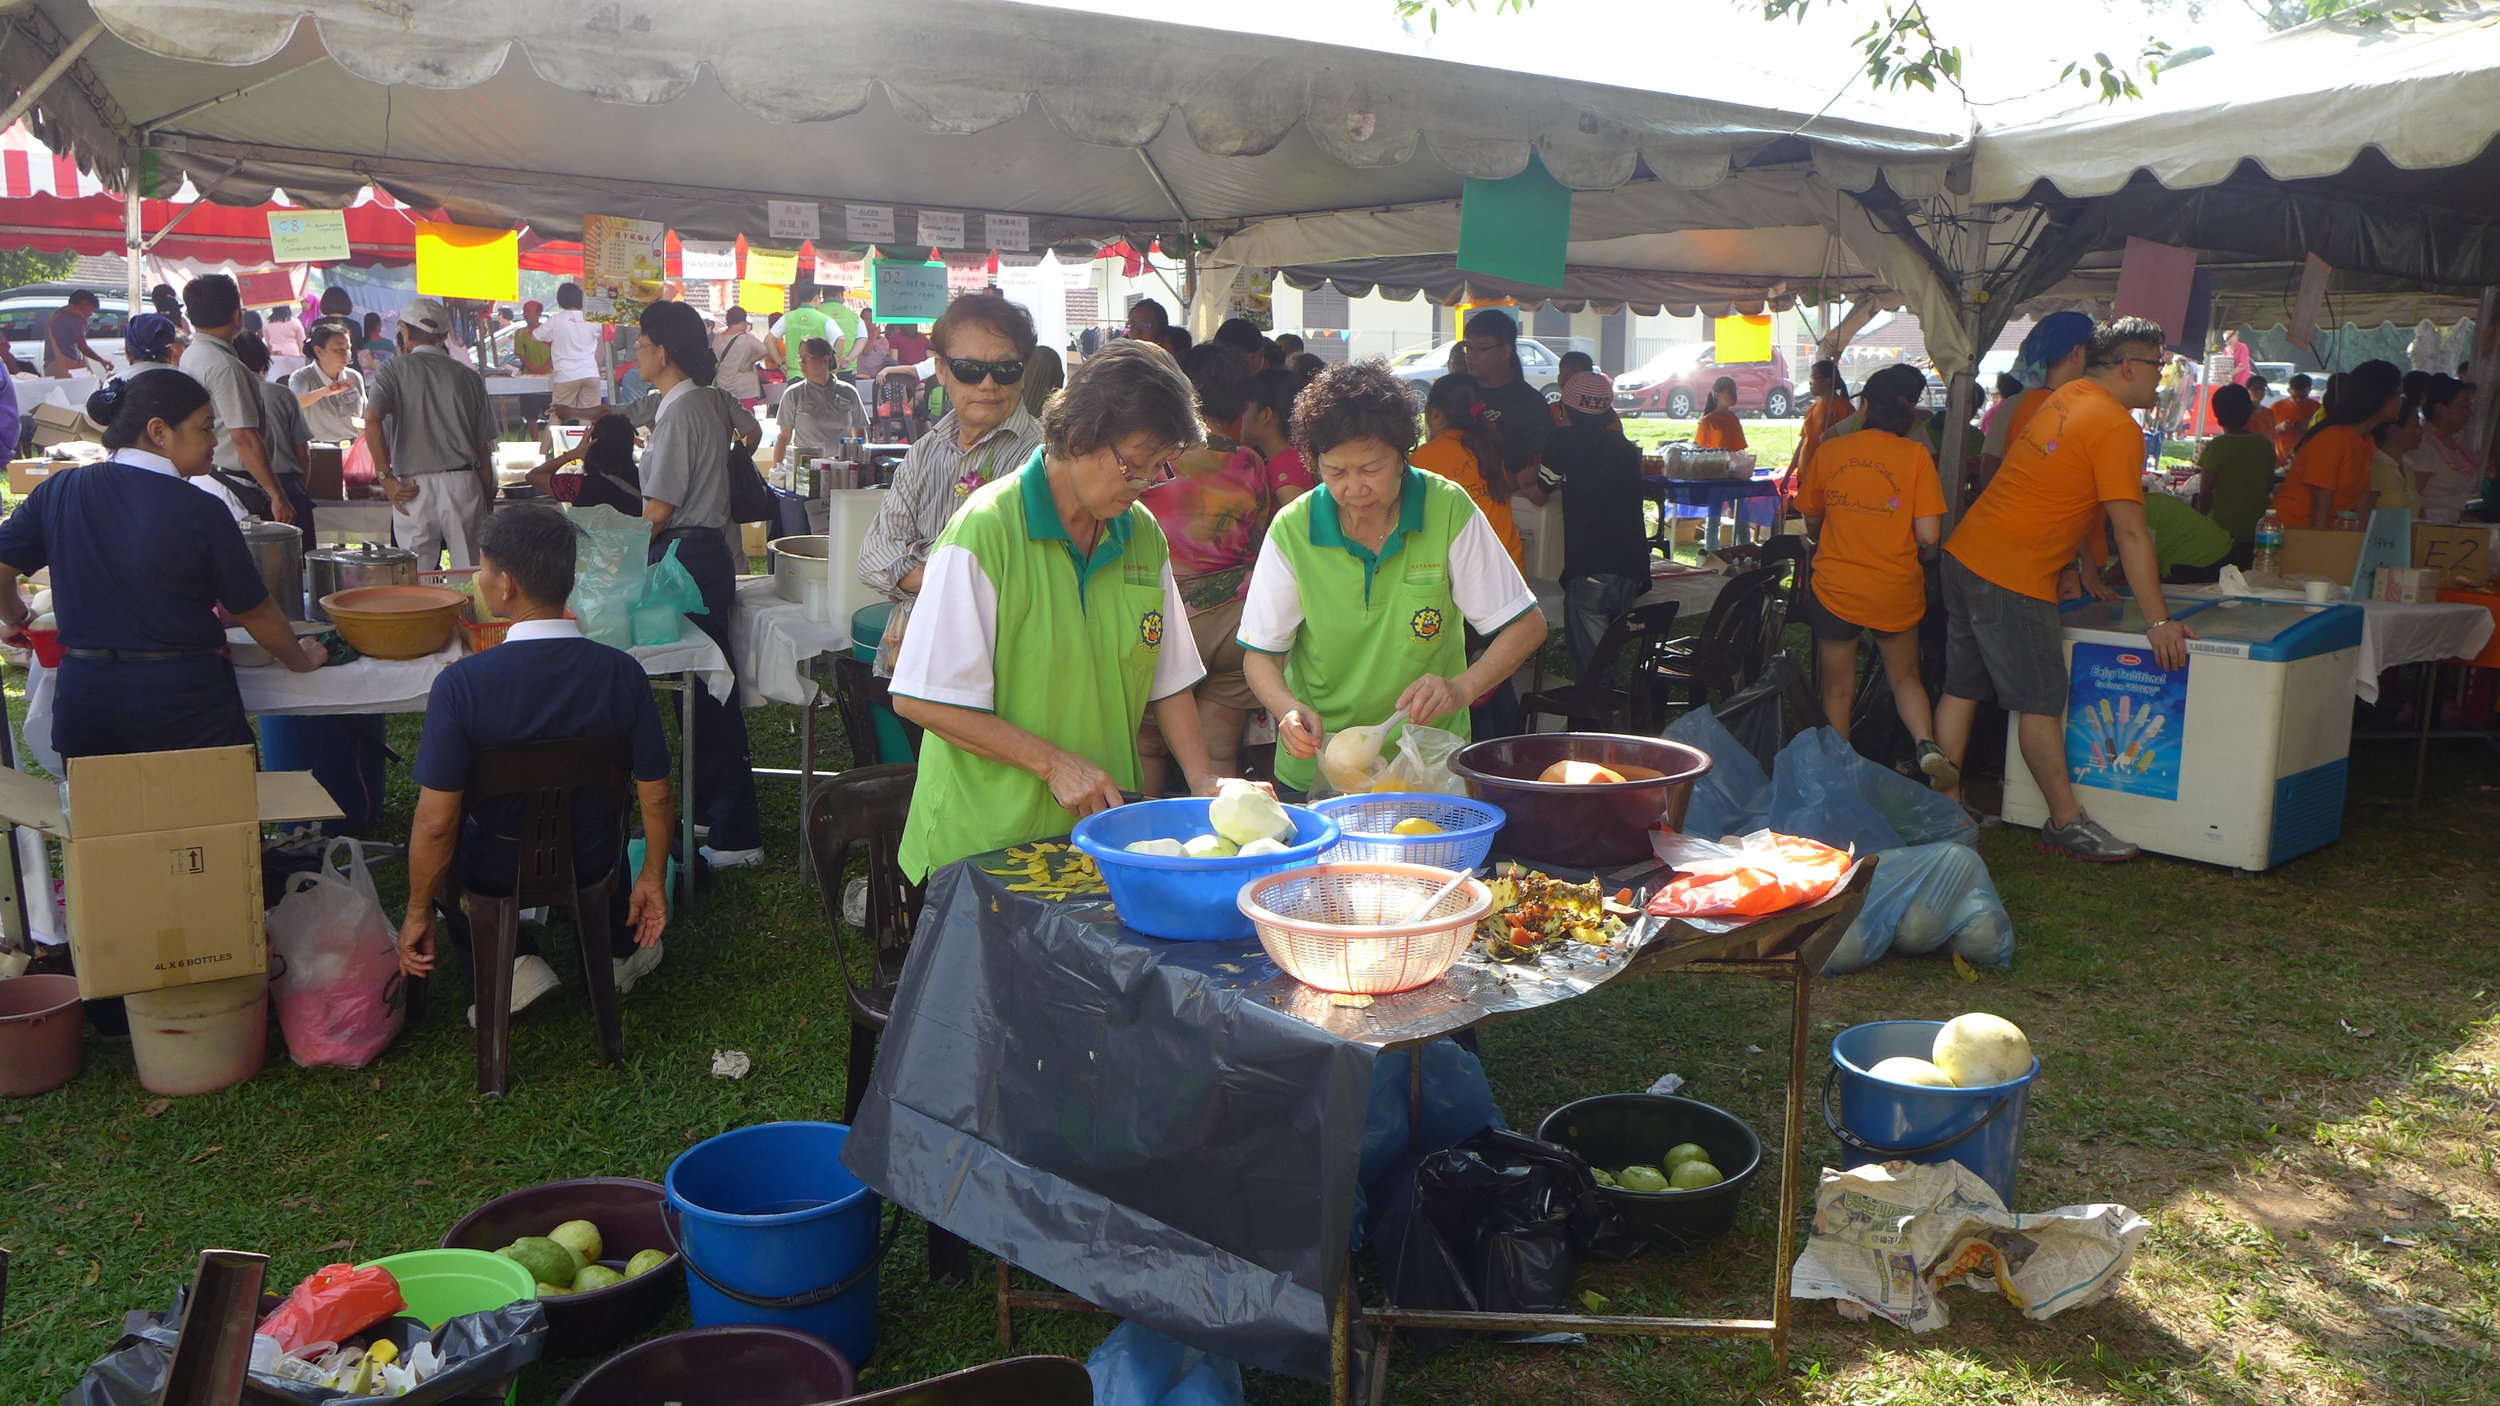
<point>1765,872</point>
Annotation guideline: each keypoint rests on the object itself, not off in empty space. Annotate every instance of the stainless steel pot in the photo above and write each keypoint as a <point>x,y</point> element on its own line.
<point>368,564</point>
<point>278,551</point>
<point>795,560</point>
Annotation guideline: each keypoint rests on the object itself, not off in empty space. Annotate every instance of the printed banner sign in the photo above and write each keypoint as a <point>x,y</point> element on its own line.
<point>1011,234</point>
<point>792,219</point>
<point>869,224</point>
<point>624,266</point>
<point>713,260</point>
<point>2126,721</point>
<point>942,229</point>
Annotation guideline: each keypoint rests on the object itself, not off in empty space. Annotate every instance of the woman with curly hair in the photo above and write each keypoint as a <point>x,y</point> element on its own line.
<point>1357,602</point>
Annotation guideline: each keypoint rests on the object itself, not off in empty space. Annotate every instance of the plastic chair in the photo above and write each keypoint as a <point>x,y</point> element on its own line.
<point>1595,704</point>
<point>1018,1381</point>
<point>857,694</point>
<point>545,775</point>
<point>863,809</point>
<point>1732,647</point>
<point>1786,549</point>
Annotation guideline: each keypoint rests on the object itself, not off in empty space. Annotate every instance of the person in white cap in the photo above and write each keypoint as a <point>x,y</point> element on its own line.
<point>432,440</point>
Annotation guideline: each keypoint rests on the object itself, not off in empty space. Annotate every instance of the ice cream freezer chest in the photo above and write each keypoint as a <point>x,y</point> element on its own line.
<point>2238,759</point>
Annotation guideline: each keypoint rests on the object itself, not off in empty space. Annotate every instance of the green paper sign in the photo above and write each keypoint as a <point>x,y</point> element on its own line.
<point>1516,228</point>
<point>906,290</point>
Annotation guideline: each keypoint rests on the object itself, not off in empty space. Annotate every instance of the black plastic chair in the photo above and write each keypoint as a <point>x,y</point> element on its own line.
<point>1732,647</point>
<point>1018,1381</point>
<point>1792,551</point>
<point>1595,703</point>
<point>857,695</point>
<point>863,810</point>
<point>545,775</point>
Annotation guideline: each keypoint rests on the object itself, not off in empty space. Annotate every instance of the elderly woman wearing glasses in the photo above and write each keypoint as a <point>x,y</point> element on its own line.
<point>982,344</point>
<point>1049,622</point>
<point>1355,606</point>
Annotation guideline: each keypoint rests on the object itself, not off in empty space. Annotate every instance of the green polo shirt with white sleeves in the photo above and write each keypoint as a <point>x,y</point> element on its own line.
<point>1012,621</point>
<point>1356,627</point>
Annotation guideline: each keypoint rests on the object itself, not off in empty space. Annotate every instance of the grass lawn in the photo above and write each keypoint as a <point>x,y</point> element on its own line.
<point>2295,1075</point>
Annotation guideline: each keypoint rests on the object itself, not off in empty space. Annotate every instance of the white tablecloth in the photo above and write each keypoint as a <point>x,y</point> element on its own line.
<point>2393,634</point>
<point>770,638</point>
<point>519,385</point>
<point>401,685</point>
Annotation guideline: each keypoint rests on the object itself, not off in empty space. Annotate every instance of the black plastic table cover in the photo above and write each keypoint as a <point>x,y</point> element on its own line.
<point>1170,1130</point>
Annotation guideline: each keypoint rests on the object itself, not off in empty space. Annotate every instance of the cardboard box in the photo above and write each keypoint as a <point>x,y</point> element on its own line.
<point>2464,554</point>
<point>24,474</point>
<point>59,424</point>
<point>2321,551</point>
<point>163,860</point>
<point>2408,585</point>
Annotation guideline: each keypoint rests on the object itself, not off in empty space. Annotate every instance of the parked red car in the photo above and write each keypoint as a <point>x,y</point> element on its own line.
<point>1676,383</point>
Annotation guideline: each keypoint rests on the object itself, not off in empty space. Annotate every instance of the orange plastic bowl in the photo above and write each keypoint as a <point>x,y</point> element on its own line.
<point>395,622</point>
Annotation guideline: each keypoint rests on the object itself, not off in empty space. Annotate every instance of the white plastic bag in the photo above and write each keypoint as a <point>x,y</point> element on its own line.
<point>340,997</point>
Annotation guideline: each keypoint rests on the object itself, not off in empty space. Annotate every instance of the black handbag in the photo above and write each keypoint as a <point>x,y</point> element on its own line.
<point>750,498</point>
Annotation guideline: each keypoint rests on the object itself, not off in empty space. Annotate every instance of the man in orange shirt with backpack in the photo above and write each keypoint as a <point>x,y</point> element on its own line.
<point>2014,557</point>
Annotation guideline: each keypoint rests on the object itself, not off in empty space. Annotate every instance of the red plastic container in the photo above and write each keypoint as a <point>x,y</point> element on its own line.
<point>40,1021</point>
<point>1586,827</point>
<point>47,646</point>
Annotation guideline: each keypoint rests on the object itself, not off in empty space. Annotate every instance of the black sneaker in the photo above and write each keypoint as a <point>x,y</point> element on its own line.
<point>1941,772</point>
<point>2084,838</point>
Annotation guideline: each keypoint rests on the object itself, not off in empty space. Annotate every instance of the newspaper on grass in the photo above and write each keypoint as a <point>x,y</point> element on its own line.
<point>1890,1237</point>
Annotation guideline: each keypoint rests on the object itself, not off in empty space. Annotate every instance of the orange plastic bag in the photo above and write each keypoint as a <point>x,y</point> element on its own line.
<point>333,1304</point>
<point>1764,873</point>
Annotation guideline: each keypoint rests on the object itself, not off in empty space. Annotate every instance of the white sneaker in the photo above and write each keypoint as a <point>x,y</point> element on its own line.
<point>531,979</point>
<point>733,858</point>
<point>634,968</point>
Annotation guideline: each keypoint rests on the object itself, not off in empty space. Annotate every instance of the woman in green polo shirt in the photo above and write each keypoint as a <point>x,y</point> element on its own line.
<point>1355,605</point>
<point>1048,622</point>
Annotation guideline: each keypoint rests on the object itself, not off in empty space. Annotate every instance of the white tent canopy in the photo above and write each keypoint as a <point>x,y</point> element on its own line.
<point>692,113</point>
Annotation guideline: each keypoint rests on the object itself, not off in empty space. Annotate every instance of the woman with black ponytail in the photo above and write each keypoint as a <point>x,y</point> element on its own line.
<point>140,563</point>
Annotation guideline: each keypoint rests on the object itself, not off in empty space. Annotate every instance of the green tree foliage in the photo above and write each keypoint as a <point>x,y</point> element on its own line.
<point>23,266</point>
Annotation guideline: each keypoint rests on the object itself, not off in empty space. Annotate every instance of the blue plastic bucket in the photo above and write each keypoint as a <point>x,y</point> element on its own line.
<point>1881,1121</point>
<point>775,1231</point>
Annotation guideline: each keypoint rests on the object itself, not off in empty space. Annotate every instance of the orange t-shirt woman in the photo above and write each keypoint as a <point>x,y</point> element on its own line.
<point>1464,450</point>
<point>1719,427</point>
<point>2335,461</point>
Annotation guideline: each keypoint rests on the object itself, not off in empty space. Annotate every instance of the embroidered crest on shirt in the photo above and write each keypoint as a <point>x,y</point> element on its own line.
<point>1426,625</point>
<point>1150,629</point>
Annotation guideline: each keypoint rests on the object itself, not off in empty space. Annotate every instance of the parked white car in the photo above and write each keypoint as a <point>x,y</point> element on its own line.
<point>24,311</point>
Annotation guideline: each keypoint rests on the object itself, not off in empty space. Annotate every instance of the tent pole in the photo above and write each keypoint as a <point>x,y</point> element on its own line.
<point>2484,372</point>
<point>51,71</point>
<point>132,248</point>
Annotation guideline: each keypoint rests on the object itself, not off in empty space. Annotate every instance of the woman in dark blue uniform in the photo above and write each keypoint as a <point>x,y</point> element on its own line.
<point>140,562</point>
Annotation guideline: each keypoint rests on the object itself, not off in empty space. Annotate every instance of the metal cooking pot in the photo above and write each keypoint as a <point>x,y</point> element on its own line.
<point>337,569</point>
<point>797,560</point>
<point>278,553</point>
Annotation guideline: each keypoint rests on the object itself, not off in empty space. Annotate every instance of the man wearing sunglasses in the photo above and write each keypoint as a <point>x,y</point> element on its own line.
<point>982,344</point>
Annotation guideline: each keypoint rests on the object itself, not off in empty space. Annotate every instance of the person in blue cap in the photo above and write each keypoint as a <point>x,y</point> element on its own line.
<point>2051,356</point>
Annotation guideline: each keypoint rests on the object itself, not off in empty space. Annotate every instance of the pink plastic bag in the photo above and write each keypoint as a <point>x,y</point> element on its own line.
<point>340,994</point>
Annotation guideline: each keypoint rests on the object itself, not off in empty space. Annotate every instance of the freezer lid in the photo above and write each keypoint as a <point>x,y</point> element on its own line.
<point>2277,630</point>
<point>2122,616</point>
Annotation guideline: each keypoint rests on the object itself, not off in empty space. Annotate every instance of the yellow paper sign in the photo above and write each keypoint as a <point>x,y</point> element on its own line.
<point>762,297</point>
<point>1741,340</point>
<point>779,266</point>
<point>307,236</point>
<point>464,261</point>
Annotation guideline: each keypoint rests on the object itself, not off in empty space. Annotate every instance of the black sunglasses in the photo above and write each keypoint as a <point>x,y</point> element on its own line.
<point>972,373</point>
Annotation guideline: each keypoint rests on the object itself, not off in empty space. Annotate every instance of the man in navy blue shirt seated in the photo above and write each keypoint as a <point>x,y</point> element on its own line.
<point>543,683</point>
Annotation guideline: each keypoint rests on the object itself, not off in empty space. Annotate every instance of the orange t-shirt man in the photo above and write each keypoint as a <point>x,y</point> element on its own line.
<point>2337,459</point>
<point>2291,419</point>
<point>2080,449</point>
<point>1720,429</point>
<point>1870,489</point>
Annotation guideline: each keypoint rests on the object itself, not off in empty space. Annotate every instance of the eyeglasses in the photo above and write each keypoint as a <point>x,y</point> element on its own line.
<point>2152,361</point>
<point>972,373</point>
<point>1148,476</point>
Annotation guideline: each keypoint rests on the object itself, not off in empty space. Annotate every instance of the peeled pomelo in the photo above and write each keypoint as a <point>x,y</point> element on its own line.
<point>1169,849</point>
<point>1977,1050</point>
<point>1210,847</point>
<point>1910,1069</point>
<point>1579,774</point>
<point>1264,847</point>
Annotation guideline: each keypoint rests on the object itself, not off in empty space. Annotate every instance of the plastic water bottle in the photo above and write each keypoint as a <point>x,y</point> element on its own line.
<point>2269,558</point>
<point>2348,520</point>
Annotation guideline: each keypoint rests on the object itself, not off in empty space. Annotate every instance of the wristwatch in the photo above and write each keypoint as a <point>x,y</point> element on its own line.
<point>2155,625</point>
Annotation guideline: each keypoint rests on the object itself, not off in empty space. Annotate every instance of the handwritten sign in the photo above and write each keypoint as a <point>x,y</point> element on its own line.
<point>307,236</point>
<point>907,291</point>
<point>942,229</point>
<point>792,219</point>
<point>1009,233</point>
<point>772,265</point>
<point>869,224</point>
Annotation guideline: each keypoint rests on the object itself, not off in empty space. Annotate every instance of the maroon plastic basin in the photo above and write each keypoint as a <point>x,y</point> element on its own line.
<point>731,1364</point>
<point>40,1022</point>
<point>627,1213</point>
<point>1586,827</point>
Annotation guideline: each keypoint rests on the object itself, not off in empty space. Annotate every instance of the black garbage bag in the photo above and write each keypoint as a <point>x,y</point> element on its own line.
<point>1498,1223</point>
<point>480,1352</point>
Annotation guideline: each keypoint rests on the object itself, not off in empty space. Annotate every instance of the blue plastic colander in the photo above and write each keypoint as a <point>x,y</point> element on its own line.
<point>1363,825</point>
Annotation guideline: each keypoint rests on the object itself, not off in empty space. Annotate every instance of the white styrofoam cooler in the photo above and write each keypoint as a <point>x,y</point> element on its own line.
<point>2243,763</point>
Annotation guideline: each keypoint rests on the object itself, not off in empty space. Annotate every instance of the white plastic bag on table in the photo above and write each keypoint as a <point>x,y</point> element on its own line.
<point>1925,898</point>
<point>1351,759</point>
<point>1422,763</point>
<point>339,991</point>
